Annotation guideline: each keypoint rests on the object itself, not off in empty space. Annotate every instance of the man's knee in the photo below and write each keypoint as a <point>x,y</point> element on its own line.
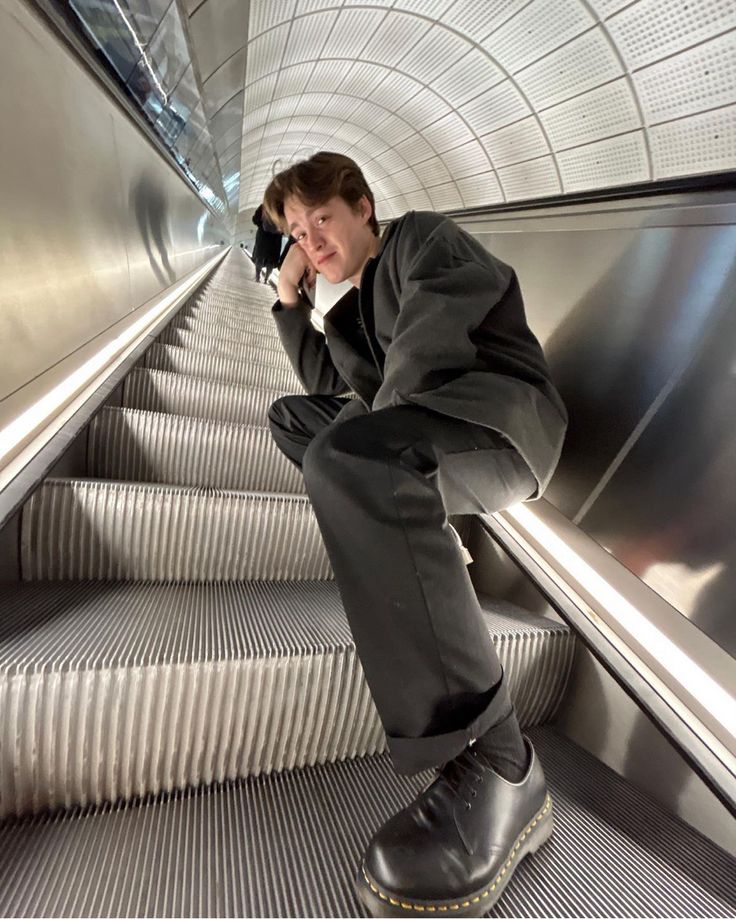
<point>318,456</point>
<point>345,454</point>
<point>276,413</point>
<point>283,411</point>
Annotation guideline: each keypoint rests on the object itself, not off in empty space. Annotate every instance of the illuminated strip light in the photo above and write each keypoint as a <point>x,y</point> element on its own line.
<point>142,50</point>
<point>77,386</point>
<point>696,681</point>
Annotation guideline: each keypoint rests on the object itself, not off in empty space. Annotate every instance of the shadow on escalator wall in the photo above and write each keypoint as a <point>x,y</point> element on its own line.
<point>150,208</point>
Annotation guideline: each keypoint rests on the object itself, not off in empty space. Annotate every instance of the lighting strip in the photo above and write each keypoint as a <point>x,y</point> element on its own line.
<point>52,410</point>
<point>720,704</point>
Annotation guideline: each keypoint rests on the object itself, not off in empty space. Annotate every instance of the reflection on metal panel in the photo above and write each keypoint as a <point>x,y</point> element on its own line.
<point>668,511</point>
<point>95,221</point>
<point>634,307</point>
<point>145,46</point>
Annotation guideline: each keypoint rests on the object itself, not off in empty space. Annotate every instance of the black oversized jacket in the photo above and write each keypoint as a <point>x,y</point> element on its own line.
<point>446,330</point>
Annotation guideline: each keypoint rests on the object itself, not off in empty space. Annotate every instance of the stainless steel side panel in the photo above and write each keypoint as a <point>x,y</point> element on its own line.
<point>94,221</point>
<point>633,302</point>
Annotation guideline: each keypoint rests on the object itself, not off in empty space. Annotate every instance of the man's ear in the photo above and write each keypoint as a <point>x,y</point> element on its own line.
<point>366,210</point>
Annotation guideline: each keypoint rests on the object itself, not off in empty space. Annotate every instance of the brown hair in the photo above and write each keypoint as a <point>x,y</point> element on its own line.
<point>316,180</point>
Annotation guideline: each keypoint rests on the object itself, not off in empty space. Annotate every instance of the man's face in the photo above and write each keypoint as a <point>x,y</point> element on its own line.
<point>336,239</point>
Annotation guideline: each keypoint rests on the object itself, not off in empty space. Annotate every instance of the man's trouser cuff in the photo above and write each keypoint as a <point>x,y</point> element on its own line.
<point>410,755</point>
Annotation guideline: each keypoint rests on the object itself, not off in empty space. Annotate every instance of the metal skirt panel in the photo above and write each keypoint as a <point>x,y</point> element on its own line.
<point>112,690</point>
<point>238,347</point>
<point>253,371</point>
<point>136,446</point>
<point>75,529</point>
<point>177,394</point>
<point>289,844</point>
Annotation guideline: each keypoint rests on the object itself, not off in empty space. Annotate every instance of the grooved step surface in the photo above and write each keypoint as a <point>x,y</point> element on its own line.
<point>256,371</point>
<point>240,346</point>
<point>86,528</point>
<point>289,844</point>
<point>242,311</point>
<point>113,689</point>
<point>139,446</point>
<point>177,394</point>
<point>220,326</point>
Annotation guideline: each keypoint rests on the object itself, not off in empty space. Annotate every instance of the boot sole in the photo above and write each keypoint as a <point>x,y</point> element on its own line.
<point>381,903</point>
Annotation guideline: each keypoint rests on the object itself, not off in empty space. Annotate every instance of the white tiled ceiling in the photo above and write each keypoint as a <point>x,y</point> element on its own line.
<point>449,104</point>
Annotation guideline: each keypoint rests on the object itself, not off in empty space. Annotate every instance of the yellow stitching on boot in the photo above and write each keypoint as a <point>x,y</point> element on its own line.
<point>443,909</point>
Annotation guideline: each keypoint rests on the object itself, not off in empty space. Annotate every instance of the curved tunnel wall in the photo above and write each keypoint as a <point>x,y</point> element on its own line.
<point>449,104</point>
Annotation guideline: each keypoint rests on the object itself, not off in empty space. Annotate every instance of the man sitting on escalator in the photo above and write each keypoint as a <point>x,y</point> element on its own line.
<point>456,414</point>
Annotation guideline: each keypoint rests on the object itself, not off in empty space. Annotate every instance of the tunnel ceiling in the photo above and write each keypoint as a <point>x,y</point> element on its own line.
<point>448,104</point>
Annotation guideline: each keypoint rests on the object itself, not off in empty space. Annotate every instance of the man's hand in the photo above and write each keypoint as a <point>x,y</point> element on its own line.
<point>295,268</point>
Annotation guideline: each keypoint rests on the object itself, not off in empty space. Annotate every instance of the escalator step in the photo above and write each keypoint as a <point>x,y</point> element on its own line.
<point>289,844</point>
<point>256,371</point>
<point>88,528</point>
<point>177,394</point>
<point>118,689</point>
<point>136,446</point>
<point>221,325</point>
<point>240,309</point>
<point>239,346</point>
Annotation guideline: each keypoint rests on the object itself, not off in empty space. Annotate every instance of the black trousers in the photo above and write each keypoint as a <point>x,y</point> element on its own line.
<point>382,484</point>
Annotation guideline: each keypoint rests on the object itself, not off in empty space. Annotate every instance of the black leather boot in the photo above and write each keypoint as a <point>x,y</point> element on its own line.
<point>456,847</point>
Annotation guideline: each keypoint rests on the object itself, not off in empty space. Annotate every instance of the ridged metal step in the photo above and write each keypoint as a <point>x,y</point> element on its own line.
<point>73,529</point>
<point>257,371</point>
<point>215,328</point>
<point>243,319</point>
<point>289,845</point>
<point>243,308</point>
<point>136,446</point>
<point>112,690</point>
<point>177,394</point>
<point>236,293</point>
<point>240,346</point>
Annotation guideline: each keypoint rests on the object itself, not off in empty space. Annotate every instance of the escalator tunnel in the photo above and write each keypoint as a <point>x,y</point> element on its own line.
<point>185,729</point>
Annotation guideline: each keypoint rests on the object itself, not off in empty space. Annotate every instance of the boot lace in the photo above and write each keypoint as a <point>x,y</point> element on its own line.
<point>462,774</point>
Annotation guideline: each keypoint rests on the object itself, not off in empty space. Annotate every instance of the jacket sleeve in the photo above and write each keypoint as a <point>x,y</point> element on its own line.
<point>447,288</point>
<point>307,350</point>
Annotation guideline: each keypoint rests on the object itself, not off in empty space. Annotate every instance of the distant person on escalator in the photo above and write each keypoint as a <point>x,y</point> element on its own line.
<point>456,413</point>
<point>267,248</point>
